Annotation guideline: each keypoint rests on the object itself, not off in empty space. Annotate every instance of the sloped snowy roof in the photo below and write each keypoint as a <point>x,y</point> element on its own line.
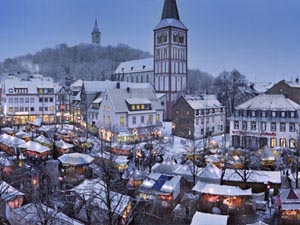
<point>11,140</point>
<point>255,176</point>
<point>137,100</point>
<point>170,22</point>
<point>31,84</point>
<point>202,102</point>
<point>269,102</point>
<point>42,139</point>
<point>210,171</point>
<point>63,145</point>
<point>8,192</point>
<point>135,66</point>
<point>34,146</point>
<point>293,84</point>
<point>95,189</point>
<point>75,159</point>
<point>262,87</point>
<point>216,189</point>
<point>208,219</point>
<point>119,96</point>
<point>39,214</point>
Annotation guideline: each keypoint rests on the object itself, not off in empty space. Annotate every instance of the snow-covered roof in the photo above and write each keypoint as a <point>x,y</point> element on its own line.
<point>34,146</point>
<point>75,159</point>
<point>293,84</point>
<point>119,96</point>
<point>159,182</point>
<point>135,66</point>
<point>11,141</point>
<point>97,100</point>
<point>262,87</point>
<point>216,189</point>
<point>211,172</point>
<point>208,219</point>
<point>42,139</point>
<point>255,176</point>
<point>95,189</point>
<point>39,214</point>
<point>31,84</point>
<point>8,192</point>
<point>203,102</point>
<point>63,145</point>
<point>170,23</point>
<point>269,102</point>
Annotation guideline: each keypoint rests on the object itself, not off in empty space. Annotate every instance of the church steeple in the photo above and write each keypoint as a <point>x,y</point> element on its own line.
<point>96,33</point>
<point>170,10</point>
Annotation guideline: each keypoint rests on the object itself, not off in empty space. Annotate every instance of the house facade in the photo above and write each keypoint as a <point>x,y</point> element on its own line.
<point>197,117</point>
<point>24,100</point>
<point>131,113</point>
<point>265,119</point>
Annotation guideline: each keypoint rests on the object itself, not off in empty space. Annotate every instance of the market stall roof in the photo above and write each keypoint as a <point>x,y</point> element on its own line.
<point>95,190</point>
<point>7,130</point>
<point>75,159</point>
<point>168,166</point>
<point>8,192</point>
<point>258,223</point>
<point>11,141</point>
<point>34,146</point>
<point>209,219</point>
<point>36,122</point>
<point>160,182</point>
<point>210,171</point>
<point>22,134</point>
<point>255,176</point>
<point>225,190</point>
<point>290,195</point>
<point>266,153</point>
<point>43,139</point>
<point>31,214</point>
<point>63,145</point>
<point>290,206</point>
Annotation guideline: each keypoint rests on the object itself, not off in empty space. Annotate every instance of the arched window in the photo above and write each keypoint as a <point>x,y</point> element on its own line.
<point>159,39</point>
<point>164,37</point>
<point>175,37</point>
<point>181,39</point>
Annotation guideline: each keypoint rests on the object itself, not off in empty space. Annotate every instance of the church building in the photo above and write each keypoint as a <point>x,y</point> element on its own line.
<point>167,70</point>
<point>96,34</point>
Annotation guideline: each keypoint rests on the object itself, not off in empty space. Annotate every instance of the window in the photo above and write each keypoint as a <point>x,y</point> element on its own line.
<point>273,142</point>
<point>244,125</point>
<point>142,119</point>
<point>237,113</point>
<point>221,128</point>
<point>273,126</point>
<point>40,109</point>
<point>21,100</point>
<point>46,99</point>
<point>31,100</point>
<point>40,99</point>
<point>273,114</point>
<point>41,91</point>
<point>108,118</point>
<point>253,125</point>
<point>197,112</point>
<point>142,107</point>
<point>282,114</point>
<point>282,142</point>
<point>10,100</point>
<point>132,107</point>
<point>236,125</point>
<point>122,121</point>
<point>138,107</point>
<point>16,100</point>
<point>202,131</point>
<point>21,109</point>
<point>197,121</point>
<point>292,143</point>
<point>103,119</point>
<point>16,109</point>
<point>157,118</point>
<point>51,108</point>
<point>10,109</point>
<point>150,120</point>
<point>253,113</point>
<point>292,114</point>
<point>46,108</point>
<point>31,109</point>
<point>282,127</point>
<point>263,126</point>
<point>26,100</point>
<point>213,129</point>
<point>292,127</point>
<point>264,114</point>
<point>245,113</point>
<point>51,99</point>
<point>26,109</point>
<point>134,120</point>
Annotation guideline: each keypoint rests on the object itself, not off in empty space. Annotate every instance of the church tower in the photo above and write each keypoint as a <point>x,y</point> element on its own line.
<point>170,55</point>
<point>96,34</point>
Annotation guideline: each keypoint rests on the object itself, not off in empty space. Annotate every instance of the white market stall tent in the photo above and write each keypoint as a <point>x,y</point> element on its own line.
<point>35,149</point>
<point>201,218</point>
<point>210,174</point>
<point>75,159</point>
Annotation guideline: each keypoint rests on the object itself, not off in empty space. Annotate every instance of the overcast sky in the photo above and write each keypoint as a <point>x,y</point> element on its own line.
<point>260,38</point>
